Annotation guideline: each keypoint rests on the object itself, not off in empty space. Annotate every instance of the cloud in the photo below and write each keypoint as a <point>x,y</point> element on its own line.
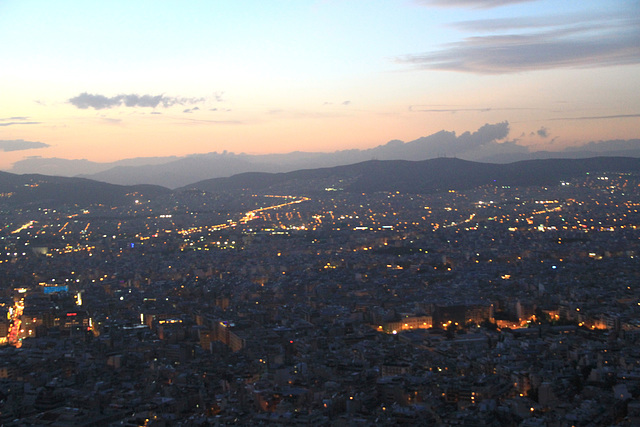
<point>476,4</point>
<point>536,22</point>
<point>20,144</point>
<point>345,103</point>
<point>217,122</point>
<point>486,141</point>
<point>111,120</point>
<point>432,109</point>
<point>487,133</point>
<point>615,116</point>
<point>421,109</point>
<point>142,101</point>
<point>543,132</point>
<point>549,44</point>
<point>99,102</point>
<point>17,120</point>
<point>18,123</point>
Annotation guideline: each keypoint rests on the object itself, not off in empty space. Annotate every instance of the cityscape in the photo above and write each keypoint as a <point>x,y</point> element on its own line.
<point>320,213</point>
<point>495,305</point>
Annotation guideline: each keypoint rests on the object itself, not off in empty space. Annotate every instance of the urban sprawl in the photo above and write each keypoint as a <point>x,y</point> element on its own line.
<point>488,307</point>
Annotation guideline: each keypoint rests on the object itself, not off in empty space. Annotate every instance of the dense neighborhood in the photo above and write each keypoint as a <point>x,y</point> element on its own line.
<point>494,306</point>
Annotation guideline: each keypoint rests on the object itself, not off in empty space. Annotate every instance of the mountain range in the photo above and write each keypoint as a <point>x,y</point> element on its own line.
<point>488,144</point>
<point>427,176</point>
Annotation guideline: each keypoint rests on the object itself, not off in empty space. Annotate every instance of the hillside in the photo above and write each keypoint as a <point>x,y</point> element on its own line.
<point>49,191</point>
<point>426,176</point>
<point>489,144</point>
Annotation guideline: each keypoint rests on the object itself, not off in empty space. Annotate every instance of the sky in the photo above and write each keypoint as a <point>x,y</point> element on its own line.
<point>110,80</point>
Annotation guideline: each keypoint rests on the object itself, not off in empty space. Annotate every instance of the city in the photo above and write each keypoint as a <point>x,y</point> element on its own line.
<point>498,305</point>
<point>320,213</point>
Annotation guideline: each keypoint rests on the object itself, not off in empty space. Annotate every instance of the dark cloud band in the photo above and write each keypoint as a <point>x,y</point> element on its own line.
<point>537,44</point>
<point>20,144</point>
<point>12,121</point>
<point>18,123</point>
<point>615,116</point>
<point>99,102</point>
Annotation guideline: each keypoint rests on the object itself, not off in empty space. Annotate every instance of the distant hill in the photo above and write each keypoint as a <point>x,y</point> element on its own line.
<point>77,167</point>
<point>488,144</point>
<point>49,191</point>
<point>479,146</point>
<point>426,176</point>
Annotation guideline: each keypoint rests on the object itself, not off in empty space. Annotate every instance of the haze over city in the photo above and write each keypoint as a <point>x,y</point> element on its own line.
<point>106,81</point>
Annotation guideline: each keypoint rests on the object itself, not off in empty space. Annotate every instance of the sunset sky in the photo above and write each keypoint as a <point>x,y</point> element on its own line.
<point>119,79</point>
